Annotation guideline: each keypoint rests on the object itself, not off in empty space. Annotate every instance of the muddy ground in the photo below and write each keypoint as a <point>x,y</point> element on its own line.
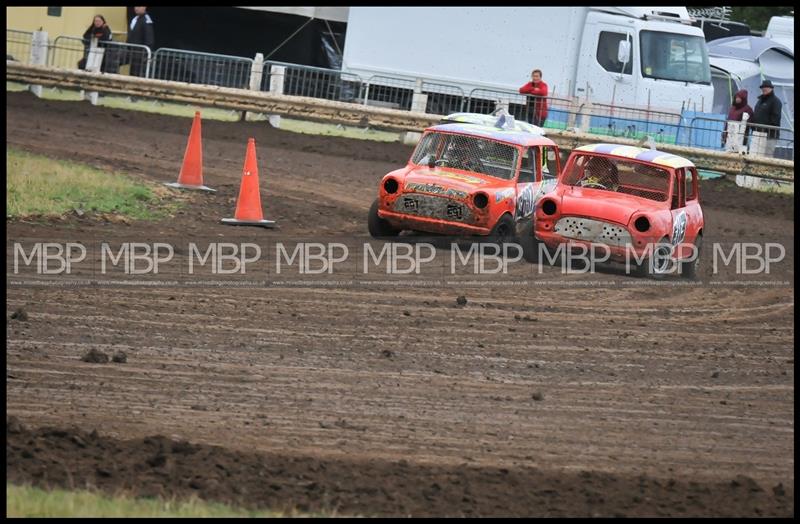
<point>567,395</point>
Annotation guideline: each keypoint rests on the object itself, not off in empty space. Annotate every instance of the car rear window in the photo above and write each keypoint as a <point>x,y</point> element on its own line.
<point>467,153</point>
<point>619,176</point>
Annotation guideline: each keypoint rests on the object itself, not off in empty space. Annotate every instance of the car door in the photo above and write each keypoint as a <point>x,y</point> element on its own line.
<point>678,210</point>
<point>529,174</point>
<point>694,213</point>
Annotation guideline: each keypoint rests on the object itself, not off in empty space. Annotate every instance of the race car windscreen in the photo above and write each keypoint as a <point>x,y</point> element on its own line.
<point>619,176</point>
<point>467,153</point>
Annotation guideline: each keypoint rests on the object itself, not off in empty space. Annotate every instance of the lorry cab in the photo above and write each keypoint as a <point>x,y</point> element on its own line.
<point>639,56</point>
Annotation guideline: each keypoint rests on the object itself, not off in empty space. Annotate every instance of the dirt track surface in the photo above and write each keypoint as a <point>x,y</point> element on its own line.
<point>528,400</point>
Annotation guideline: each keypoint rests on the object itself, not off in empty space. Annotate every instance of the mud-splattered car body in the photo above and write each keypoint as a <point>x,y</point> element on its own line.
<point>467,178</point>
<point>628,199</point>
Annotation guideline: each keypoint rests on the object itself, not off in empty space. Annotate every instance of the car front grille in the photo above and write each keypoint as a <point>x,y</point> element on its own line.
<point>432,206</point>
<point>591,230</point>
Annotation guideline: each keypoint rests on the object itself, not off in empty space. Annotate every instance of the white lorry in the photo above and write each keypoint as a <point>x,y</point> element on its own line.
<point>630,56</point>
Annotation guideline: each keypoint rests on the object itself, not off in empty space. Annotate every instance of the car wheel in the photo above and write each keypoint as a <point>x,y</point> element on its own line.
<point>656,265</point>
<point>504,231</point>
<point>379,227</point>
<point>690,269</point>
<point>529,242</point>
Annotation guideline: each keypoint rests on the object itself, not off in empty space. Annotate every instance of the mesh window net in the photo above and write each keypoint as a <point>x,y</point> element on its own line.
<point>619,176</point>
<point>467,153</point>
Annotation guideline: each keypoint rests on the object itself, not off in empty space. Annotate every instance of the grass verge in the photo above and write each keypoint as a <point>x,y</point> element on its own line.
<point>27,501</point>
<point>38,186</point>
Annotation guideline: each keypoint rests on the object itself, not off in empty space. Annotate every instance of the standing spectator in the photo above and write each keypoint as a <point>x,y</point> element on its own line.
<point>738,108</point>
<point>100,30</point>
<point>140,32</point>
<point>768,112</point>
<point>536,90</point>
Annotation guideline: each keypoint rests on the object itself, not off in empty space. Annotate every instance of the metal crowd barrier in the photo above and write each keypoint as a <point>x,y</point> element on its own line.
<point>119,54</point>
<point>315,82</point>
<point>594,118</point>
<point>67,52</point>
<point>18,45</point>
<point>562,113</point>
<point>634,123</point>
<point>201,68</point>
<point>712,133</point>
<point>443,99</point>
<point>71,52</point>
<point>703,131</point>
<point>386,91</point>
<point>482,100</point>
<point>770,141</point>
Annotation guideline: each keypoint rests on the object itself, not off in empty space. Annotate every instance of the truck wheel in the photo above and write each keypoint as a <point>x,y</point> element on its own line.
<point>378,227</point>
<point>690,269</point>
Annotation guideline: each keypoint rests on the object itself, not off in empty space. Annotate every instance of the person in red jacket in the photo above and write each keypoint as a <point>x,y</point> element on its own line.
<point>735,112</point>
<point>536,90</point>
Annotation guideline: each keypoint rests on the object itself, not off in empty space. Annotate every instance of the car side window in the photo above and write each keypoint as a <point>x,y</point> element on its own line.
<point>677,182</point>
<point>550,163</point>
<point>526,172</point>
<point>691,194</point>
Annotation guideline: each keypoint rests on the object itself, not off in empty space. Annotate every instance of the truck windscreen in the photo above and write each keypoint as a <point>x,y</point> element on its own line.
<point>673,56</point>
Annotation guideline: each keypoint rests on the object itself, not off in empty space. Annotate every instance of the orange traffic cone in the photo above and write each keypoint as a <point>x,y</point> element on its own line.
<point>191,176</point>
<point>248,205</point>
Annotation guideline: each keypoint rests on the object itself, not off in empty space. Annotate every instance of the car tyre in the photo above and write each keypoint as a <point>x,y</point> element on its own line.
<point>379,227</point>
<point>647,269</point>
<point>504,231</point>
<point>529,242</point>
<point>690,270</point>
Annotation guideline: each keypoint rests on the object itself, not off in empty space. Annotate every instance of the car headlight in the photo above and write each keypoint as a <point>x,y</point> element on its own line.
<point>549,207</point>
<point>481,200</point>
<point>390,185</point>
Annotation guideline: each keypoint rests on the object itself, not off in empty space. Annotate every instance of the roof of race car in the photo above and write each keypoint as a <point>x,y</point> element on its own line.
<point>521,138</point>
<point>639,153</point>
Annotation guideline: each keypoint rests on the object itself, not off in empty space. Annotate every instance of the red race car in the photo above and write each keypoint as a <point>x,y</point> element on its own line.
<point>474,175</point>
<point>641,205</point>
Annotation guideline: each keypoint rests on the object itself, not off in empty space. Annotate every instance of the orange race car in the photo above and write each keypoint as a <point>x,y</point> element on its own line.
<point>642,206</point>
<point>473,175</point>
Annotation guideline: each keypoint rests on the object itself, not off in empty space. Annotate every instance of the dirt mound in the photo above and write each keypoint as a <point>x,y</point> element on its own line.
<point>95,356</point>
<point>20,314</point>
<point>159,466</point>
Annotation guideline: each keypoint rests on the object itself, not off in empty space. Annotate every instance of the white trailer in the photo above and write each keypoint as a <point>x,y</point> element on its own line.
<point>616,55</point>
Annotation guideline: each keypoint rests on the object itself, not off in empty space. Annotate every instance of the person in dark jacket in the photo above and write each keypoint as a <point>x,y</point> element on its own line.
<point>536,90</point>
<point>99,30</point>
<point>140,32</point>
<point>768,113</point>
<point>738,108</point>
